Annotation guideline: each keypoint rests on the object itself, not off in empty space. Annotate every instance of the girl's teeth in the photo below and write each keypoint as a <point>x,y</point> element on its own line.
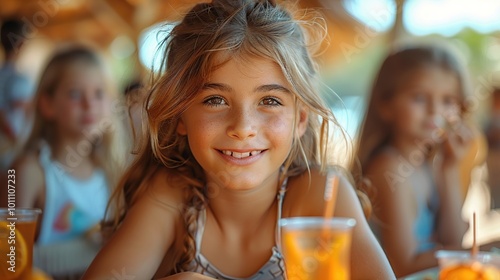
<point>253,153</point>
<point>241,155</point>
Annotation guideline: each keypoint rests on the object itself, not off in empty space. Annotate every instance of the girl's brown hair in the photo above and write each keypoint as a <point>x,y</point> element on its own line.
<point>232,29</point>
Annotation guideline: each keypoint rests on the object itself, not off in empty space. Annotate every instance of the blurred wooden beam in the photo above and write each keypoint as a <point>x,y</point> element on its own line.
<point>121,8</point>
<point>398,30</point>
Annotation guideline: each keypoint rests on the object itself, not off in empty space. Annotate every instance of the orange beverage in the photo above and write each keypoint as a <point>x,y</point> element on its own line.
<point>460,265</point>
<point>17,234</point>
<point>316,248</point>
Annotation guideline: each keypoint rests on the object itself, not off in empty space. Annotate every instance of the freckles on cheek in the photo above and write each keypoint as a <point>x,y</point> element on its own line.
<point>202,128</point>
<point>280,125</point>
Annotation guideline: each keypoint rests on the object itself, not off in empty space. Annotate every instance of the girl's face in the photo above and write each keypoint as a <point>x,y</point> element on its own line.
<point>427,101</point>
<point>241,125</point>
<point>79,102</point>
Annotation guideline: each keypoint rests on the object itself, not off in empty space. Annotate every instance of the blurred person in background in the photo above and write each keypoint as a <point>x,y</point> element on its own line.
<point>412,143</point>
<point>71,161</point>
<point>16,93</point>
<point>493,136</point>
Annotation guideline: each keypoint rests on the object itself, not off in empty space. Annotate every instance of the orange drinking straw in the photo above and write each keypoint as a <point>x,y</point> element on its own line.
<point>474,249</point>
<point>330,196</point>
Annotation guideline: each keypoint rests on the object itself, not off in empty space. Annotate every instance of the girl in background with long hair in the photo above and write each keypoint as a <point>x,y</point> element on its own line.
<point>410,148</point>
<point>71,161</point>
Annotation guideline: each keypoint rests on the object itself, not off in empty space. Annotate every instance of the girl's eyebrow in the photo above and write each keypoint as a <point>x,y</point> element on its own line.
<point>272,87</point>
<point>217,86</point>
<point>262,88</point>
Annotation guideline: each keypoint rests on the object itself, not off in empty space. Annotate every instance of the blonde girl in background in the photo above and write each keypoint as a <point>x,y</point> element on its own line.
<point>410,148</point>
<point>71,160</point>
<point>237,138</point>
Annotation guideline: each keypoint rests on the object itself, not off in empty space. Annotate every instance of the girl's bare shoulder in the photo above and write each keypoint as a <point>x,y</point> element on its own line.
<point>158,205</point>
<point>386,159</point>
<point>165,188</point>
<point>29,179</point>
<point>28,164</point>
<point>305,194</point>
<point>29,172</point>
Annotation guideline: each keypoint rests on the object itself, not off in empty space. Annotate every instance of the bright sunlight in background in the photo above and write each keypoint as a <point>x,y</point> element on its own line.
<point>445,17</point>
<point>377,14</point>
<point>424,17</point>
<point>149,41</point>
<point>448,17</point>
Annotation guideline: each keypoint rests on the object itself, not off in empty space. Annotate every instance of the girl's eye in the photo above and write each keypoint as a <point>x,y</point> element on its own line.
<point>419,97</point>
<point>214,101</point>
<point>270,101</point>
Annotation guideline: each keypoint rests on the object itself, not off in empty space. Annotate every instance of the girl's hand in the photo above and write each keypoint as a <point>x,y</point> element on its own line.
<point>456,142</point>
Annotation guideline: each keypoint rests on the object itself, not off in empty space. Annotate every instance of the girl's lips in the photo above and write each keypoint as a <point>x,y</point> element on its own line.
<point>431,125</point>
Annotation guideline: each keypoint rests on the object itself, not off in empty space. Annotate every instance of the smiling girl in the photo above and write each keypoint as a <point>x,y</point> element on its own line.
<point>237,139</point>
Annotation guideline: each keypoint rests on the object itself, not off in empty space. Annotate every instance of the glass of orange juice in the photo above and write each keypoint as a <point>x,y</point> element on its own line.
<point>458,265</point>
<point>17,234</point>
<point>317,248</point>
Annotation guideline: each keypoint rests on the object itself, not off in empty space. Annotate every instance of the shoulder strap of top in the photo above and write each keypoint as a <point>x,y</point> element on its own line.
<point>202,219</point>
<point>280,197</point>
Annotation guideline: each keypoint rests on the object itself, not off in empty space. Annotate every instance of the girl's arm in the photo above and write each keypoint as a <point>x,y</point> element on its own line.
<point>29,181</point>
<point>456,142</point>
<point>450,225</point>
<point>139,245</point>
<point>395,210</point>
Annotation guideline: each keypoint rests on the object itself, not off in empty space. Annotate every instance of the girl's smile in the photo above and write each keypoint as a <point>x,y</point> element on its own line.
<point>242,157</point>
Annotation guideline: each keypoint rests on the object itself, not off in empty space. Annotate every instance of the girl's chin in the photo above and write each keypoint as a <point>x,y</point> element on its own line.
<point>213,189</point>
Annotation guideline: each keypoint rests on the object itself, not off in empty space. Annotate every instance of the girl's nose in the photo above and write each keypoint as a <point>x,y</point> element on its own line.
<point>433,107</point>
<point>87,102</point>
<point>242,124</point>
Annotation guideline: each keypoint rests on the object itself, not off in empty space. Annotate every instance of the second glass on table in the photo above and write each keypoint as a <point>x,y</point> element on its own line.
<point>17,234</point>
<point>457,265</point>
<point>317,248</point>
